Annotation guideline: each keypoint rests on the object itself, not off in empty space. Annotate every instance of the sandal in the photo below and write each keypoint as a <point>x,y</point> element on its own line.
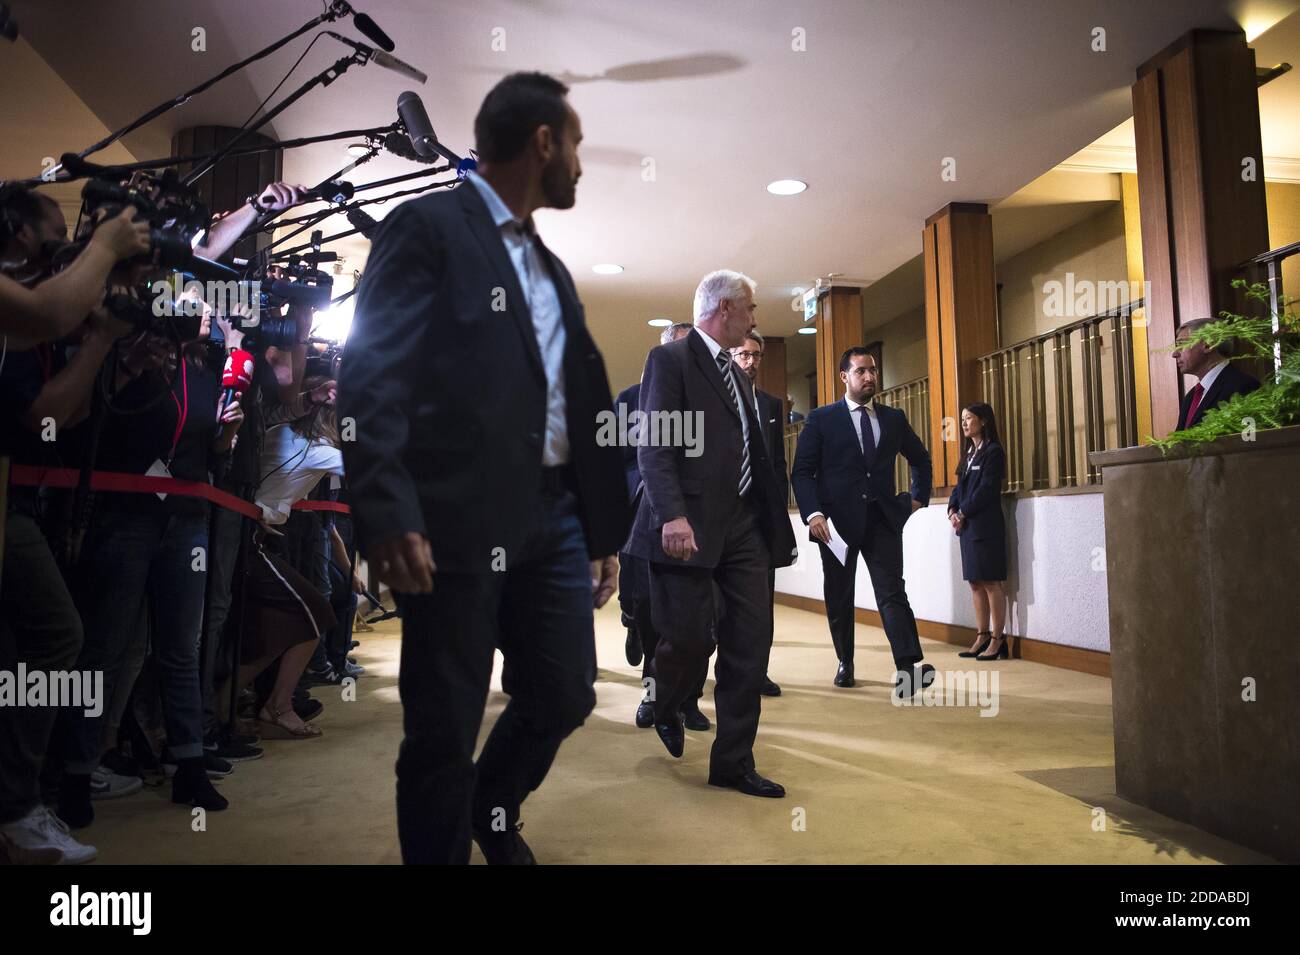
<point>280,729</point>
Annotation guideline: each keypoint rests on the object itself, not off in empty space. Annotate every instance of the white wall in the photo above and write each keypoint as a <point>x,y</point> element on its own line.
<point>1056,595</point>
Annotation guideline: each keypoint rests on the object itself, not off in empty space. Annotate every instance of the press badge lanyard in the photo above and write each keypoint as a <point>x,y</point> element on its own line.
<point>182,412</point>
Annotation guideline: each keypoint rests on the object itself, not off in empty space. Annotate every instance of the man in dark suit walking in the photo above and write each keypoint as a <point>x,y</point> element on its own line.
<point>480,492</point>
<point>844,472</point>
<point>710,515</point>
<point>771,419</point>
<point>634,578</point>
<point>1218,379</point>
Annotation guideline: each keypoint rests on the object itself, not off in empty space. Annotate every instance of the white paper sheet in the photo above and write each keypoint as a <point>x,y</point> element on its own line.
<point>837,545</point>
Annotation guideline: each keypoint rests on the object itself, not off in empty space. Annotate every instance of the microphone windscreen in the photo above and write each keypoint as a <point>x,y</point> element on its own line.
<point>238,373</point>
<point>371,31</point>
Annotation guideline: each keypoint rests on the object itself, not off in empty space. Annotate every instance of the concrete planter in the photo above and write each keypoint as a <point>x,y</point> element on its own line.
<point>1203,574</point>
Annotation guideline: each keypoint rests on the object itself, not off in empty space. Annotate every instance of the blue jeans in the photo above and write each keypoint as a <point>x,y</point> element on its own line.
<point>135,561</point>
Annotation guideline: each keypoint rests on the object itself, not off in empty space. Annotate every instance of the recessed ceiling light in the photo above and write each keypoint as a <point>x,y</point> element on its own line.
<point>358,149</point>
<point>787,187</point>
<point>660,322</point>
<point>607,268</point>
<point>808,330</point>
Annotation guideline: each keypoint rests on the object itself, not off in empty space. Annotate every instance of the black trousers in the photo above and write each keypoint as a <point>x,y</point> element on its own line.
<point>882,549</point>
<point>539,613</point>
<point>634,594</point>
<point>682,607</point>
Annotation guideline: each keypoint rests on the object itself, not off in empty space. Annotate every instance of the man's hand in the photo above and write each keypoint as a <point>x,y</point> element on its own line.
<point>279,196</point>
<point>916,505</point>
<point>679,539</point>
<point>819,529</point>
<point>604,580</point>
<point>124,236</point>
<point>405,563</point>
<point>358,585</point>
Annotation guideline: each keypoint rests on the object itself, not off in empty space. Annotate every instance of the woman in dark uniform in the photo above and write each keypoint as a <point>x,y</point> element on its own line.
<point>975,512</point>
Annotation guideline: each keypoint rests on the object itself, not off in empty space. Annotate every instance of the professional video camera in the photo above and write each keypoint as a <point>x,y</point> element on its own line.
<point>173,209</point>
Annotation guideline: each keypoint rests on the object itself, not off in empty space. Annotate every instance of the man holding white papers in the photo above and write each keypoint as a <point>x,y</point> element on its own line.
<point>844,474</point>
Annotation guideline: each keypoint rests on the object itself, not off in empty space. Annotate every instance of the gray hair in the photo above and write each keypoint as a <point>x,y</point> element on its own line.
<point>719,285</point>
<point>1197,323</point>
<point>671,331</point>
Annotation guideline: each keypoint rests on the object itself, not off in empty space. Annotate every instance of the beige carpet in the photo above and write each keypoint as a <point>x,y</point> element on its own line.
<point>866,781</point>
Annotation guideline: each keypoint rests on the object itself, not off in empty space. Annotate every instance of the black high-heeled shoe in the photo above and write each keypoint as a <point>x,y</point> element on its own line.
<point>982,647</point>
<point>1003,651</point>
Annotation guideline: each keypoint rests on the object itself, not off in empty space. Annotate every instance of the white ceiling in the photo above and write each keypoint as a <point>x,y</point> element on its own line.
<point>712,92</point>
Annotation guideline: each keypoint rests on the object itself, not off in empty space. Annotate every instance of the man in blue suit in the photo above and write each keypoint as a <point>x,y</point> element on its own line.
<point>844,472</point>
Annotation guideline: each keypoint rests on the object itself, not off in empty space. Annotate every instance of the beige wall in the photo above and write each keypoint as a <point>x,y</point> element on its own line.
<point>1284,228</point>
<point>1092,249</point>
<point>903,347</point>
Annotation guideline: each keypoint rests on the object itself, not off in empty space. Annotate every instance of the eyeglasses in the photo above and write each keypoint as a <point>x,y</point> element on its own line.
<point>749,355</point>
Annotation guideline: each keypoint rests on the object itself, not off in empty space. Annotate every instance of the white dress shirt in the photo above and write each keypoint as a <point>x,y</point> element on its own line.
<point>290,467</point>
<point>855,412</point>
<point>543,307</point>
<point>1208,378</point>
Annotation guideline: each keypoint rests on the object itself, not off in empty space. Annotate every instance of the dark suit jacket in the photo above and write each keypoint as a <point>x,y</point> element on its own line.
<point>830,474</point>
<point>683,377</point>
<point>630,397</point>
<point>771,416</point>
<point>1231,381</point>
<point>448,395</point>
<point>978,493</point>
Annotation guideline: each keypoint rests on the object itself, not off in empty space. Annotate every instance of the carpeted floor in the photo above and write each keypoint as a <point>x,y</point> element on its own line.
<point>867,781</point>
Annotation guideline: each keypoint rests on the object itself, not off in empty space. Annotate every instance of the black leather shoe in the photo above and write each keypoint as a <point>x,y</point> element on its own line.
<point>632,647</point>
<point>673,736</point>
<point>769,688</point>
<point>844,675</point>
<point>645,715</point>
<point>504,848</point>
<point>906,684</point>
<point>751,784</point>
<point>693,719</point>
<point>308,710</point>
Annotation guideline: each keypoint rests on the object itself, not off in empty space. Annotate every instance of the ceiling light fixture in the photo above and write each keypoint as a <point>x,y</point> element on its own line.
<point>607,268</point>
<point>660,322</point>
<point>808,330</point>
<point>787,187</point>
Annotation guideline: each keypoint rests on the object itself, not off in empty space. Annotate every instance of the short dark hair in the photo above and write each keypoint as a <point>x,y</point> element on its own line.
<point>32,207</point>
<point>847,358</point>
<point>513,110</point>
<point>754,336</point>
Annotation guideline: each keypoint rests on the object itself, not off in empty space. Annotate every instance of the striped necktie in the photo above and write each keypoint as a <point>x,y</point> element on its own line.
<point>724,366</point>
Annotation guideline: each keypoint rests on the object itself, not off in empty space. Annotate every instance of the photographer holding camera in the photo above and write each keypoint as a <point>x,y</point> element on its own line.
<point>41,391</point>
<point>56,306</point>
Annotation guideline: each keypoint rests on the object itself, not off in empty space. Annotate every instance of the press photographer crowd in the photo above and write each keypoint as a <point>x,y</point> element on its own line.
<point>118,377</point>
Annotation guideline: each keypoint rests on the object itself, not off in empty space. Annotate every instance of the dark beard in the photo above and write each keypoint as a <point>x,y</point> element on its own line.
<point>558,189</point>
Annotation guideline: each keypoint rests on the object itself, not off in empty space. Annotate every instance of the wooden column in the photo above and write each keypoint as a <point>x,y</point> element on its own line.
<point>235,178</point>
<point>960,322</point>
<point>839,327</point>
<point>1196,121</point>
<point>771,370</point>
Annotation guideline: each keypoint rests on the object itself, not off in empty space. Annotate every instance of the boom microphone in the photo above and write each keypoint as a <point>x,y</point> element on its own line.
<point>363,221</point>
<point>371,31</point>
<point>410,109</point>
<point>380,58</point>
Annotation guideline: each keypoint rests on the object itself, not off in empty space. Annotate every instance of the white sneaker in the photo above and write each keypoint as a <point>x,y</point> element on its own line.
<point>42,838</point>
<point>106,784</point>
